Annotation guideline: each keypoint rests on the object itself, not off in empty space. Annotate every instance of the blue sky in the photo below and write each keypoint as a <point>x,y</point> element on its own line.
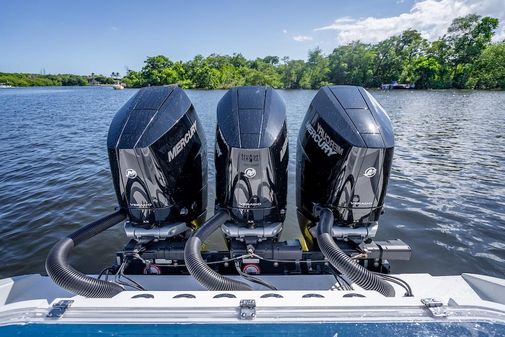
<point>105,36</point>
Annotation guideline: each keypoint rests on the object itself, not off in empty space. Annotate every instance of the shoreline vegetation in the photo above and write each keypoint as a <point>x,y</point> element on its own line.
<point>464,58</point>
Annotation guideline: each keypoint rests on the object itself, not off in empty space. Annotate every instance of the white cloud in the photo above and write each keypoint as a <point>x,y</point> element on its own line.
<point>284,31</point>
<point>430,17</point>
<point>500,36</point>
<point>302,38</point>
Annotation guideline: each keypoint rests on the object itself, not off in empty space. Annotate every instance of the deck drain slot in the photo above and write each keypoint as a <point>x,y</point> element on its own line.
<point>225,295</point>
<point>272,295</point>
<point>312,296</point>
<point>184,296</point>
<point>143,296</point>
<point>353,295</point>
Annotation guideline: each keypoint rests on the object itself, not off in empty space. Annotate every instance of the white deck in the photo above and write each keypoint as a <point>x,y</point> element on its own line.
<point>28,299</point>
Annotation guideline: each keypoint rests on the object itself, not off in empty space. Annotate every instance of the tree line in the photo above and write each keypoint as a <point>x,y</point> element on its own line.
<point>463,58</point>
<point>31,80</point>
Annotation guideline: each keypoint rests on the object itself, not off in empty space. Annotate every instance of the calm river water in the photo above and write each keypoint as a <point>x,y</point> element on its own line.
<point>446,196</point>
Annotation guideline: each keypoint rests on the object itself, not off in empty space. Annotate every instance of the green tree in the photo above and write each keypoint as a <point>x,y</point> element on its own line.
<point>291,73</point>
<point>262,73</point>
<point>411,46</point>
<point>201,74</point>
<point>425,69</point>
<point>316,70</point>
<point>395,57</point>
<point>154,71</point>
<point>439,50</point>
<point>353,64</point>
<point>489,70</point>
<point>468,36</point>
<point>387,65</point>
<point>133,79</point>
<point>271,59</point>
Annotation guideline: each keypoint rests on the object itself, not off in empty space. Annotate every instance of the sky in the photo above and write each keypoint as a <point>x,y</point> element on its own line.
<point>81,37</point>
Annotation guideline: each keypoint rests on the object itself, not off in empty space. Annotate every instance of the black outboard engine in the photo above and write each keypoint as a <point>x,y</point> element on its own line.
<point>158,158</point>
<point>251,160</point>
<point>344,155</point>
<point>157,153</point>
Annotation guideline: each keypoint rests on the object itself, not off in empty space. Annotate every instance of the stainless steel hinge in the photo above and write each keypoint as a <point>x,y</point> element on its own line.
<point>247,309</point>
<point>435,307</point>
<point>59,308</point>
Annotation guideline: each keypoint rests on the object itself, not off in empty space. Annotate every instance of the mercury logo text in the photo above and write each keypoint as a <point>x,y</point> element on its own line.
<point>324,141</point>
<point>182,143</point>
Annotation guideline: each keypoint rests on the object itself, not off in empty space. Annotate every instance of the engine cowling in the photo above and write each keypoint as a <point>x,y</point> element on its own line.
<point>251,155</point>
<point>344,156</point>
<point>158,158</point>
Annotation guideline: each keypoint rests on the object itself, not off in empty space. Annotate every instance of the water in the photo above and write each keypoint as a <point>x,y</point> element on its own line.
<point>438,329</point>
<point>446,196</point>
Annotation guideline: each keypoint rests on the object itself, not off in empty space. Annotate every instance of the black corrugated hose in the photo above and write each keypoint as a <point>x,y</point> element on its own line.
<point>197,267</point>
<point>65,276</point>
<point>343,263</point>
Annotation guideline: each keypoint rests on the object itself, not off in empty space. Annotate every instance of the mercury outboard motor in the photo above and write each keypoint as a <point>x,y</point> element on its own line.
<point>158,158</point>
<point>344,157</point>
<point>251,160</point>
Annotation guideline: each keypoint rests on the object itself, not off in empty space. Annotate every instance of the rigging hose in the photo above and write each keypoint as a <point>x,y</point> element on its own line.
<point>343,263</point>
<point>197,267</point>
<point>65,276</point>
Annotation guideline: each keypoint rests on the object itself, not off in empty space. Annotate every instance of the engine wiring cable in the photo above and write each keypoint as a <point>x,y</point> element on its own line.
<point>343,284</point>
<point>253,278</point>
<point>105,272</point>
<point>130,282</point>
<point>398,281</point>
